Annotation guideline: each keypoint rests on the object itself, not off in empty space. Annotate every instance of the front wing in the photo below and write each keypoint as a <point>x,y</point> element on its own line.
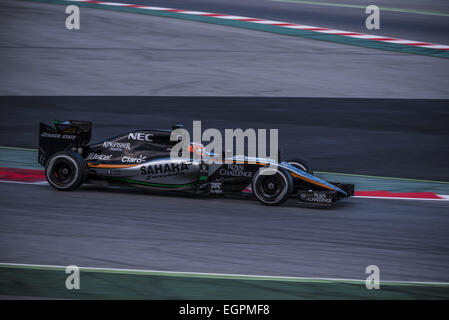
<point>324,198</point>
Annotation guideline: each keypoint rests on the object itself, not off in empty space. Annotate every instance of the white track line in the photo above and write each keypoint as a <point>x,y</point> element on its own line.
<point>205,274</point>
<point>445,198</point>
<point>24,182</point>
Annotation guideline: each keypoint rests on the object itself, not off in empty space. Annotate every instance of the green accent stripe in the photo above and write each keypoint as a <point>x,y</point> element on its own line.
<point>154,184</point>
<point>268,28</point>
<point>344,5</point>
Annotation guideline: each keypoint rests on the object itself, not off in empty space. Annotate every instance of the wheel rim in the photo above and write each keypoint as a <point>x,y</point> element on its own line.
<point>270,187</point>
<point>62,172</point>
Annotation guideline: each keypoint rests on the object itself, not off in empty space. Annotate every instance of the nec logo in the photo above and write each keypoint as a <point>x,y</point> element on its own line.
<point>140,136</point>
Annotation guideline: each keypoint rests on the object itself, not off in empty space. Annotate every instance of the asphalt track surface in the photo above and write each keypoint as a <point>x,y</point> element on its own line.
<point>406,25</point>
<point>117,53</point>
<point>408,240</point>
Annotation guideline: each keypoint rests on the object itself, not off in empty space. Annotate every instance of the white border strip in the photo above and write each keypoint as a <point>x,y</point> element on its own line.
<point>443,198</point>
<point>206,274</point>
<point>24,182</point>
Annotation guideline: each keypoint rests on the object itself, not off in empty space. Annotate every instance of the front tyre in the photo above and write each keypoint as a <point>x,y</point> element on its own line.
<point>301,164</point>
<point>272,186</point>
<point>66,171</point>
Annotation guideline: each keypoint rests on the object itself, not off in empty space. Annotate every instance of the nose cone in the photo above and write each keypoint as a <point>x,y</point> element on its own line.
<point>298,173</point>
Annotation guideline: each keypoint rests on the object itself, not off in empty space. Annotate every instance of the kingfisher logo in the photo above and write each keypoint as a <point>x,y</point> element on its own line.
<point>161,169</point>
<point>118,146</point>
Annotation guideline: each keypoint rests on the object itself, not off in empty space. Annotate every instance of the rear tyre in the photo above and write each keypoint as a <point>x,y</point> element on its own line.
<point>66,171</point>
<point>301,164</point>
<point>272,186</point>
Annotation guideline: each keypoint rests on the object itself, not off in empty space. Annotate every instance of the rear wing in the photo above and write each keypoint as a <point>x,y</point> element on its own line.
<point>65,135</point>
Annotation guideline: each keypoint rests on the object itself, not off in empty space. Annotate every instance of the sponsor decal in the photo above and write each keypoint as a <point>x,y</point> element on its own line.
<point>164,169</point>
<point>96,156</point>
<point>216,187</point>
<point>117,146</point>
<point>140,136</point>
<point>204,168</point>
<point>316,197</point>
<point>58,135</point>
<point>235,170</point>
<point>128,159</point>
<point>112,172</point>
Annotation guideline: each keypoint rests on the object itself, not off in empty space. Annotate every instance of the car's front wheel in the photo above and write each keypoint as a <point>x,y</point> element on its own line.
<point>272,186</point>
<point>66,170</point>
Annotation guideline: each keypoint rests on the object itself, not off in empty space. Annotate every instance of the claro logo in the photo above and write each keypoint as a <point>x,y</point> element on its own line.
<point>128,159</point>
<point>140,136</point>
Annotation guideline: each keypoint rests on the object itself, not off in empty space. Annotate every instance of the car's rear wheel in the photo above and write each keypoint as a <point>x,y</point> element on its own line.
<point>272,186</point>
<point>301,164</point>
<point>66,171</point>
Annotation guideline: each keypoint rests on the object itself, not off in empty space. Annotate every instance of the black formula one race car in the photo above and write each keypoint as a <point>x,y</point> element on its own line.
<point>142,158</point>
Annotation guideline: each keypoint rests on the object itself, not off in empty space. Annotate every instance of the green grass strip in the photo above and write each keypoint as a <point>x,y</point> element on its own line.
<point>49,282</point>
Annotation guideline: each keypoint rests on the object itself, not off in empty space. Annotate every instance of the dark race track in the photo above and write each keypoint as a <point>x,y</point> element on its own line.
<point>384,137</point>
<point>128,229</point>
<point>408,240</point>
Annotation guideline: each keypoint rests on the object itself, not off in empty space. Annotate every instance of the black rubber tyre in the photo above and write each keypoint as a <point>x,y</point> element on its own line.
<point>272,189</point>
<point>301,164</point>
<point>66,171</point>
